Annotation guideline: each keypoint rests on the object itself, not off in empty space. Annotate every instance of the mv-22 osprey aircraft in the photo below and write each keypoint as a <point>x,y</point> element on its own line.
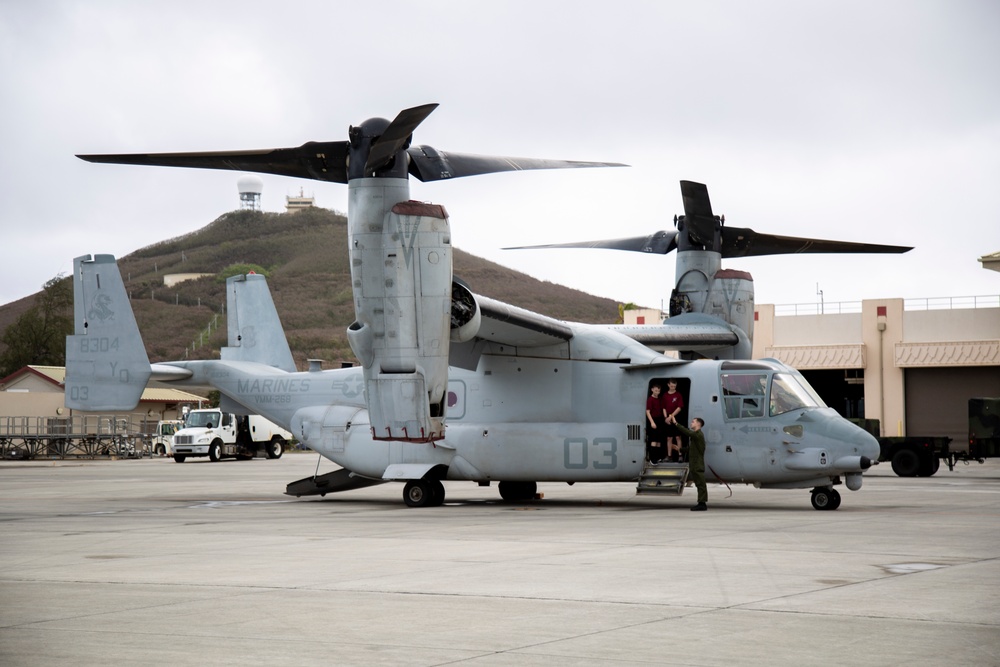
<point>456,386</point>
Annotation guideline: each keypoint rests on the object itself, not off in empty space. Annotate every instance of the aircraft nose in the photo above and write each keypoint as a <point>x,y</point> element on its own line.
<point>867,444</point>
<point>858,441</point>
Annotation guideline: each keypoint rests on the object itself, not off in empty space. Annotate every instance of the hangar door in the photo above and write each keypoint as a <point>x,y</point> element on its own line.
<point>937,399</point>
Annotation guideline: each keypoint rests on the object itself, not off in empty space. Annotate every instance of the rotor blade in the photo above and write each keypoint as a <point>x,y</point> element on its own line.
<point>696,202</point>
<point>429,164</point>
<point>743,242</point>
<point>396,136</point>
<point>318,160</point>
<point>698,216</point>
<point>659,243</point>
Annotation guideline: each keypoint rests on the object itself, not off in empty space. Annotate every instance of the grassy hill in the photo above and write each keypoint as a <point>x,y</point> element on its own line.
<point>306,260</point>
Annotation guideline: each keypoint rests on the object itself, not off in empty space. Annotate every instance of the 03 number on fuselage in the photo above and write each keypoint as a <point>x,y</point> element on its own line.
<point>599,453</point>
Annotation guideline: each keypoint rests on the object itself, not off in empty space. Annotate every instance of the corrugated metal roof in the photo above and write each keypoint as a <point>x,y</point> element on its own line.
<point>169,396</point>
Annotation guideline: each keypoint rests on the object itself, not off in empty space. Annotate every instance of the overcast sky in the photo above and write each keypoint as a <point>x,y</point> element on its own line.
<point>875,121</point>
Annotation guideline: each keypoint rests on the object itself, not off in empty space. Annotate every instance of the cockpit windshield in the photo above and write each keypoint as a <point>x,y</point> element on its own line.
<point>746,395</point>
<point>790,391</point>
<point>201,419</point>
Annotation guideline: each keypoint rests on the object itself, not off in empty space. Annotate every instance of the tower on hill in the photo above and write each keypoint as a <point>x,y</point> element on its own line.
<point>293,204</point>
<point>250,188</point>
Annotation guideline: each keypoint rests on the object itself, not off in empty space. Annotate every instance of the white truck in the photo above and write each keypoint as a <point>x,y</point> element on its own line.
<point>162,440</point>
<point>217,435</point>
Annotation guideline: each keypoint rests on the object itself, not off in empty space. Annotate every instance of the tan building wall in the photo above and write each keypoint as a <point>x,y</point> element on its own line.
<point>29,399</point>
<point>883,340</point>
<point>643,316</point>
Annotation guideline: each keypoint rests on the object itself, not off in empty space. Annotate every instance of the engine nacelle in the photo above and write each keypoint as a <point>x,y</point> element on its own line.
<point>401,264</point>
<point>703,286</point>
<point>466,317</point>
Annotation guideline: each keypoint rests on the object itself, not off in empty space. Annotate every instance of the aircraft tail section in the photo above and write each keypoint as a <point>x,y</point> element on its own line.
<point>106,363</point>
<point>255,332</point>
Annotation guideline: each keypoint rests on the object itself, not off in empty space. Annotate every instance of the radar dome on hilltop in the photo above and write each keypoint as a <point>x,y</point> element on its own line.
<point>250,183</point>
<point>250,187</point>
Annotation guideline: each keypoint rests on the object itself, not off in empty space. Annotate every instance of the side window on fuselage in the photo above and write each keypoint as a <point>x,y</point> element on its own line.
<point>745,395</point>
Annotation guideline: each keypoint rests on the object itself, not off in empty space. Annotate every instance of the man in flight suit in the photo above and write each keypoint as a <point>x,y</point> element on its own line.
<point>696,460</point>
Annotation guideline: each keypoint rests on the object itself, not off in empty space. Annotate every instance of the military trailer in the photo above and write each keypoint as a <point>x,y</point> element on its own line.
<point>984,427</point>
<point>921,456</point>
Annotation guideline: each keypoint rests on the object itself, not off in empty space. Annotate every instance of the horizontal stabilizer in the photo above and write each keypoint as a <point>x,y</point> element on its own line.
<point>106,363</point>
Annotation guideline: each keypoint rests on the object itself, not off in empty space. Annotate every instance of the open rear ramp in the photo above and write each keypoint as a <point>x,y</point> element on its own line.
<point>331,482</point>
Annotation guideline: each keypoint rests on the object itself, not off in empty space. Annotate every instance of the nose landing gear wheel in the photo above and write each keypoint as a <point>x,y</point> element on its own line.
<point>825,498</point>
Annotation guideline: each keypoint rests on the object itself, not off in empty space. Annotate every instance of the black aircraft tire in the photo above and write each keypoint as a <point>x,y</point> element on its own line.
<point>905,463</point>
<point>824,499</point>
<point>437,489</point>
<point>418,493</point>
<point>215,451</point>
<point>517,492</point>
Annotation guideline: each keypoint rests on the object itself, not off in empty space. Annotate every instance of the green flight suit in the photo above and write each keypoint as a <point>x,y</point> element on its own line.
<point>696,460</point>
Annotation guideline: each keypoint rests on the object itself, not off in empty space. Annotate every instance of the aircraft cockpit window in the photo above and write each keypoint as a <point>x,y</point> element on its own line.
<point>789,392</point>
<point>744,394</point>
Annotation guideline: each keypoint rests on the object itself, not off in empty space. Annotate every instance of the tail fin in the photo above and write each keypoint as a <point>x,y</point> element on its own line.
<point>255,332</point>
<point>106,363</point>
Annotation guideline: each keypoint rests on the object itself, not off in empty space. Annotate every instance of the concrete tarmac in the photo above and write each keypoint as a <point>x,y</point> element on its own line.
<point>155,563</point>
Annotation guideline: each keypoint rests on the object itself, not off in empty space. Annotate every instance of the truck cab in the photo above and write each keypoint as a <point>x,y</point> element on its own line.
<point>163,437</point>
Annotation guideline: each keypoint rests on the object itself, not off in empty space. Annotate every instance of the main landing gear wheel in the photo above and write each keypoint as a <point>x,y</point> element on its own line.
<point>825,498</point>
<point>517,492</point>
<point>438,488</point>
<point>423,493</point>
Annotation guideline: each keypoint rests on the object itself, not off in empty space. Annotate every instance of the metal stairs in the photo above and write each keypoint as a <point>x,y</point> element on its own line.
<point>662,479</point>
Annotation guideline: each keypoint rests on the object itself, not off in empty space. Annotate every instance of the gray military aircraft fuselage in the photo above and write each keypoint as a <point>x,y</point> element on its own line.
<point>456,386</point>
<point>566,405</point>
<point>580,421</point>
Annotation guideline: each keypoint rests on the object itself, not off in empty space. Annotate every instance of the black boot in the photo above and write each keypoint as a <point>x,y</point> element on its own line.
<point>700,507</point>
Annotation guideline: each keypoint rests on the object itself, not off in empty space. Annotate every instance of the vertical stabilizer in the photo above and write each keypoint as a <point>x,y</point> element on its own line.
<point>106,363</point>
<point>255,332</point>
